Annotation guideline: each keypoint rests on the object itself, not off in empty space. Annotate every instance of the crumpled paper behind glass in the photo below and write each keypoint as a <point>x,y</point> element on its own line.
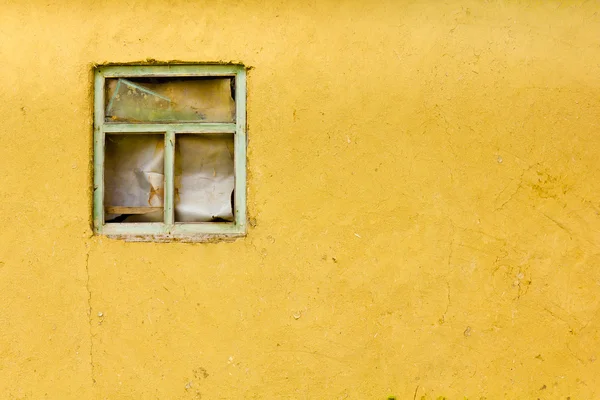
<point>204,176</point>
<point>134,174</point>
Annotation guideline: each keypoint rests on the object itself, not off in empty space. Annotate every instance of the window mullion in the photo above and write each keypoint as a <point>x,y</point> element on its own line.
<point>169,178</point>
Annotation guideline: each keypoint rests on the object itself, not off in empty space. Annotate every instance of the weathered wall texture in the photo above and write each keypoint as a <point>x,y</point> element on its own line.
<point>423,190</point>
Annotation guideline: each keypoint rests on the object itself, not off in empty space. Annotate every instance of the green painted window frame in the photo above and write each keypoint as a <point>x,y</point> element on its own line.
<point>169,230</point>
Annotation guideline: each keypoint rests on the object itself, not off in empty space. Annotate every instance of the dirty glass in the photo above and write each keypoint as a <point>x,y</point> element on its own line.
<point>204,178</point>
<point>199,99</point>
<point>134,178</point>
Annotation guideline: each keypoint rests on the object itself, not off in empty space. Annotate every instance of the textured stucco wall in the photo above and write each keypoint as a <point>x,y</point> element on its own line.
<point>423,185</point>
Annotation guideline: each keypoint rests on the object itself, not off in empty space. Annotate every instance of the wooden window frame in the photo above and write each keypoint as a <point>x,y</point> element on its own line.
<point>169,230</point>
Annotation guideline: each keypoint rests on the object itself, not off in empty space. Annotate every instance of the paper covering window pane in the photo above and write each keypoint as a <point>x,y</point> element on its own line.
<point>204,178</point>
<point>134,178</point>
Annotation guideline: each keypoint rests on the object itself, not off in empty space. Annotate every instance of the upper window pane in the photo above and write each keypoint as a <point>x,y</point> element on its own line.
<point>188,99</point>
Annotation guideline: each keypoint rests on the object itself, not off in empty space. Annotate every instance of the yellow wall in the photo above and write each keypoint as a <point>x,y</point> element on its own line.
<point>423,185</point>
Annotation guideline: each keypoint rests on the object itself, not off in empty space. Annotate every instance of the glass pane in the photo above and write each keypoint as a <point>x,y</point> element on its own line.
<point>170,99</point>
<point>204,178</point>
<point>134,178</point>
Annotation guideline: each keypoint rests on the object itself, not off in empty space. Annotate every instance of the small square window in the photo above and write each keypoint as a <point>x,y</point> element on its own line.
<point>170,152</point>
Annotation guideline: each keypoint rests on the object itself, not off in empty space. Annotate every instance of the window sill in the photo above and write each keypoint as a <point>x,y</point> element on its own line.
<point>171,238</point>
<point>184,232</point>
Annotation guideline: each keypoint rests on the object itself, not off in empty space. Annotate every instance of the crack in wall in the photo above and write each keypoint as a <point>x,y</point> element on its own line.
<point>569,231</point>
<point>519,187</point>
<point>447,304</point>
<point>89,300</point>
<point>573,354</point>
<point>451,250</point>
